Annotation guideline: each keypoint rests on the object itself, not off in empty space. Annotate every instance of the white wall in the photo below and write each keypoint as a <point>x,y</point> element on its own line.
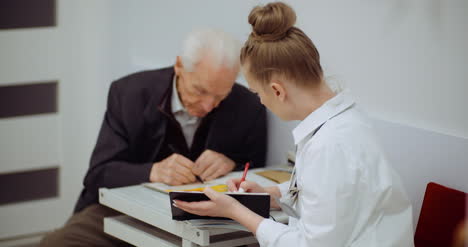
<point>422,156</point>
<point>403,60</point>
<point>72,53</point>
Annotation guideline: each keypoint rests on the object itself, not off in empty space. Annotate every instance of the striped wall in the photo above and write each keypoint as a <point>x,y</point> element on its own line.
<point>53,84</point>
<point>29,118</point>
<point>22,99</point>
<point>29,185</point>
<point>27,13</point>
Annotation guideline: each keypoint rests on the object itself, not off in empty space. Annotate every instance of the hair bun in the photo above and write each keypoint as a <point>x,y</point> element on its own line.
<point>272,21</point>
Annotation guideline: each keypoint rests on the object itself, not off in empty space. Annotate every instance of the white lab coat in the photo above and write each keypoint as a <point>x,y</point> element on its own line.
<point>348,194</point>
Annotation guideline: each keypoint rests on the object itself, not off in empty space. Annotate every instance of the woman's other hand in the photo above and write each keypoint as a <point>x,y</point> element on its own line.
<point>248,186</point>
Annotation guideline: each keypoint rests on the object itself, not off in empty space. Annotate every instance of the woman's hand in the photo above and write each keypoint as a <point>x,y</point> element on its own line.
<point>220,205</point>
<point>252,187</point>
<point>248,186</point>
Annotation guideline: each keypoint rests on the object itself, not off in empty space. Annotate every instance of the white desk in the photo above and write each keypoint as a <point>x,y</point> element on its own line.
<point>147,221</point>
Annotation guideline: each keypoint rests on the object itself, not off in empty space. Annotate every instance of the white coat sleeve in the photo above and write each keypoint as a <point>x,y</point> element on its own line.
<point>329,200</point>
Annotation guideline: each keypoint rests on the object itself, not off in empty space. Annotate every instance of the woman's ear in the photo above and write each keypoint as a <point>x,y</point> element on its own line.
<point>278,90</point>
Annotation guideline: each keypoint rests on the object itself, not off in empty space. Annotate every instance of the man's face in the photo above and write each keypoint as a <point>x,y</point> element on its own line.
<point>205,87</point>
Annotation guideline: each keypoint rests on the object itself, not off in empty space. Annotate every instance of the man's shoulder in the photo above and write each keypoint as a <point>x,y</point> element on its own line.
<point>144,80</point>
<point>242,97</point>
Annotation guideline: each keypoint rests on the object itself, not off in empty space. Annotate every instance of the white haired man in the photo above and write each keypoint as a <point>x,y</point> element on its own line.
<point>170,125</point>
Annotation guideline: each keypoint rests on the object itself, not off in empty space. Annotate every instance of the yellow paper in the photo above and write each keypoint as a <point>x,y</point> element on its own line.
<point>219,188</point>
<point>277,176</point>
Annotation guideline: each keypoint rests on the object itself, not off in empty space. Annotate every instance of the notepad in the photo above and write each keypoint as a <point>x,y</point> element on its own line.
<point>257,202</point>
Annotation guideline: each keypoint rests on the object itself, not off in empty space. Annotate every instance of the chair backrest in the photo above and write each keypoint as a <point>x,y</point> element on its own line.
<point>442,210</point>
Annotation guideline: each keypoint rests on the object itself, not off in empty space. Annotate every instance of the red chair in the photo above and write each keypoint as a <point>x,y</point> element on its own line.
<point>442,210</point>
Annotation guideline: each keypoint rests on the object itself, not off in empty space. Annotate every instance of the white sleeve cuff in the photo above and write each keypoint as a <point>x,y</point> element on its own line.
<point>283,188</point>
<point>268,230</point>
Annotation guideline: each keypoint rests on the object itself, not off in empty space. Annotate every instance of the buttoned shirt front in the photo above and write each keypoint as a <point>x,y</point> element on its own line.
<point>188,123</point>
<point>346,192</point>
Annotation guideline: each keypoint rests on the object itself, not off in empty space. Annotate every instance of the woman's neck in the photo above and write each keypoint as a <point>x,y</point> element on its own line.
<point>307,100</point>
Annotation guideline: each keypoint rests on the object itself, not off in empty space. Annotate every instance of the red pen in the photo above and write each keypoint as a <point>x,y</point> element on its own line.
<point>244,175</point>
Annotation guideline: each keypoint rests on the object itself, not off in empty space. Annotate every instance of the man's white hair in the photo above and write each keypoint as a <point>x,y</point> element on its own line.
<point>220,46</point>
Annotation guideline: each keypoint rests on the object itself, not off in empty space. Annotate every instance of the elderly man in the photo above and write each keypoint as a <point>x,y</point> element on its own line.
<point>170,125</point>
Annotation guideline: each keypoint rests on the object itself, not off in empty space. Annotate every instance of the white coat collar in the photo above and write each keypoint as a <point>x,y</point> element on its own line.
<point>317,118</point>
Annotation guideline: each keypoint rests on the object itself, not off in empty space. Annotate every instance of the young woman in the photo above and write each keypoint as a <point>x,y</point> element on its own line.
<point>343,191</point>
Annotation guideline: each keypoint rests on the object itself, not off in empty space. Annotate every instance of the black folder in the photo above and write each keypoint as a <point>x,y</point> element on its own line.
<point>257,202</point>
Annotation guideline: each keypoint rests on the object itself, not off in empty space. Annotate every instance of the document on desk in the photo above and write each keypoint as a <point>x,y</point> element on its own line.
<point>218,184</point>
<point>276,175</point>
<point>216,223</point>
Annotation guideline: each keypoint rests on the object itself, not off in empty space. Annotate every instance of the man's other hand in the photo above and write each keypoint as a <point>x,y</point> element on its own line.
<point>174,170</point>
<point>211,165</point>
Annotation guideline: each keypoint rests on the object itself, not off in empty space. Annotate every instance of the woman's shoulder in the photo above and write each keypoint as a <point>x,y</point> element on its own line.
<point>349,134</point>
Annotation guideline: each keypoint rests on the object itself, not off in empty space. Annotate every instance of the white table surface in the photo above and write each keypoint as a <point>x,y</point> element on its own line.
<point>149,208</point>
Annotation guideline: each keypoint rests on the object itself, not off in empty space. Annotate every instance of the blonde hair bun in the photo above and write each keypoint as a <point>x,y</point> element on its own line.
<point>277,47</point>
<point>271,22</point>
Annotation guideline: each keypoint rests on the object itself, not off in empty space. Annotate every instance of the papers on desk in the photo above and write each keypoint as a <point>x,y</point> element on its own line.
<point>218,184</point>
<point>267,177</point>
<point>277,176</point>
<point>188,187</point>
<point>215,223</point>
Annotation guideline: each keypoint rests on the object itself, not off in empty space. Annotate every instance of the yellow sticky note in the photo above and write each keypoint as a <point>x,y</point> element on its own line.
<point>219,188</point>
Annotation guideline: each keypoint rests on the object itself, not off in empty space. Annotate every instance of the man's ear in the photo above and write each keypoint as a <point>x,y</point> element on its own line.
<point>178,66</point>
<point>278,90</point>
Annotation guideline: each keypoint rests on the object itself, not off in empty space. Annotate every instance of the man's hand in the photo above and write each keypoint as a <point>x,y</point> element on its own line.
<point>211,165</point>
<point>174,170</point>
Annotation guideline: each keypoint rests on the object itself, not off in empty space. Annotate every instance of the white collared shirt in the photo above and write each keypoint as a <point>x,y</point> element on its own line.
<point>188,123</point>
<point>348,193</point>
